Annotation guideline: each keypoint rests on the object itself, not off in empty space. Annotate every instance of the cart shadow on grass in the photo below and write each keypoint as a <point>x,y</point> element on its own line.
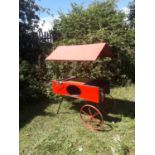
<point>112,110</point>
<point>113,106</point>
<point>29,110</point>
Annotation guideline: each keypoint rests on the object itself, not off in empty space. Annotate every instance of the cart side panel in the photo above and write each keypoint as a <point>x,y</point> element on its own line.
<point>76,90</point>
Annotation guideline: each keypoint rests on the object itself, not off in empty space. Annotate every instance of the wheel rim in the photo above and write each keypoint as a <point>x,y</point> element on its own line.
<point>91,117</point>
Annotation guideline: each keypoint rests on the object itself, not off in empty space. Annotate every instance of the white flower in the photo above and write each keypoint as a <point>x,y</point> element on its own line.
<point>113,150</point>
<point>117,138</point>
<point>80,149</point>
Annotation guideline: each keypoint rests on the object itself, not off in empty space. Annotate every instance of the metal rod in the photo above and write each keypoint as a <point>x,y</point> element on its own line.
<point>59,106</point>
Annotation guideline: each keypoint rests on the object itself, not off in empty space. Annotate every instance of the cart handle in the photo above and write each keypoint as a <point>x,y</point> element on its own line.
<point>69,78</point>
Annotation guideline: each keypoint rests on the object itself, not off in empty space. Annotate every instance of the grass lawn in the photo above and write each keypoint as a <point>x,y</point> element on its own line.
<point>43,132</point>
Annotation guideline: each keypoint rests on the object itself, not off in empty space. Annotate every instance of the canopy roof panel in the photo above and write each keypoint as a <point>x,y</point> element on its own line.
<point>87,52</point>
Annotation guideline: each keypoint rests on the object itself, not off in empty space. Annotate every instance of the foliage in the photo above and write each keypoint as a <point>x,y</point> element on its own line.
<point>31,53</point>
<point>100,22</point>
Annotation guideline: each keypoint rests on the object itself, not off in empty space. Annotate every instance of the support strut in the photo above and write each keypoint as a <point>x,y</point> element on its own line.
<point>59,106</point>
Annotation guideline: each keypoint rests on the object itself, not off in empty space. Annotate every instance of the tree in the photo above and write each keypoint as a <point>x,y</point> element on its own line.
<point>31,52</point>
<point>100,22</point>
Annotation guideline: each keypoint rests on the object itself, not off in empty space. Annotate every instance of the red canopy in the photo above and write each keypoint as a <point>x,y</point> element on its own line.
<point>88,52</point>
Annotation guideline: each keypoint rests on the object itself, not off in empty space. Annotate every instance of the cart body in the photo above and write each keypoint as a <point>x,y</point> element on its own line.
<point>77,90</point>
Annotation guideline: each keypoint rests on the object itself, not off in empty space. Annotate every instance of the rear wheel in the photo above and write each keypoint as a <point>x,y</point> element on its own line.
<point>91,117</point>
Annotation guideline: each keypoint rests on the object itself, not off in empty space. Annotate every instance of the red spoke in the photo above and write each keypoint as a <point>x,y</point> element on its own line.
<point>88,115</point>
<point>89,110</point>
<point>95,114</point>
<point>84,112</point>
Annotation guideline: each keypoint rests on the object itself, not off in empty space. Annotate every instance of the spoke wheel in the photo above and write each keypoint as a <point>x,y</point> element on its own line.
<point>91,117</point>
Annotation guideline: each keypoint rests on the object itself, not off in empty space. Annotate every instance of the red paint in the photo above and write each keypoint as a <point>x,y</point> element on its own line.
<point>88,92</point>
<point>89,115</point>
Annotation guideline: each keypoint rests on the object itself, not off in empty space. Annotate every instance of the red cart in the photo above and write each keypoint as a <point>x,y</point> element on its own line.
<point>93,91</point>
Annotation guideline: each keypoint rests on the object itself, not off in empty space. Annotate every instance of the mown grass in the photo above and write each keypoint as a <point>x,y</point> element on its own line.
<point>43,132</point>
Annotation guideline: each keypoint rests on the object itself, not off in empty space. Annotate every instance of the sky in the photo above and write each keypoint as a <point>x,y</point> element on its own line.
<point>64,6</point>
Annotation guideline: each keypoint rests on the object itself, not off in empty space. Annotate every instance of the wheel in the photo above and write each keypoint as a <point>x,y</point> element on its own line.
<point>91,117</point>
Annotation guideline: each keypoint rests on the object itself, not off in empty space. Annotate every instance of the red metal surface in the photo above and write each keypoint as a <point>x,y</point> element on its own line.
<point>88,52</point>
<point>91,117</point>
<point>87,92</point>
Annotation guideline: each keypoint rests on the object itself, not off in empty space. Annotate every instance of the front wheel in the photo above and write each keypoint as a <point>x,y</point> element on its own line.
<point>91,117</point>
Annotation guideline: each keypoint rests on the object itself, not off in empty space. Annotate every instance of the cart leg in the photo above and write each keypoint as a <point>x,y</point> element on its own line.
<point>59,106</point>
